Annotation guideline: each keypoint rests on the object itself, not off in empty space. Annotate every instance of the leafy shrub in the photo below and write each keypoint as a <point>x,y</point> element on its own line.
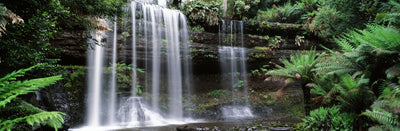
<point>333,17</point>
<point>100,8</point>
<point>329,21</point>
<point>329,118</point>
<point>203,12</point>
<point>288,13</point>
<point>26,44</point>
<point>241,8</point>
<point>218,93</point>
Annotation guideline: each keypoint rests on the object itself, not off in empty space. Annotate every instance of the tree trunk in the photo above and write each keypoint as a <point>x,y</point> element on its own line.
<point>307,98</point>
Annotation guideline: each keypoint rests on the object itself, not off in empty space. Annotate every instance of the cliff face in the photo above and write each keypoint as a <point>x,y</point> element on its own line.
<point>73,44</point>
<point>69,95</point>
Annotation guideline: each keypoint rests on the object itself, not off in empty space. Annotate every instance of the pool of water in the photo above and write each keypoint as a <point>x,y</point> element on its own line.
<point>244,124</point>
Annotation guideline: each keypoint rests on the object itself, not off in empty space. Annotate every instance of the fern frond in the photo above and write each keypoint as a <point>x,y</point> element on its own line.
<point>376,36</point>
<point>383,117</point>
<point>15,74</point>
<point>15,88</point>
<point>384,128</point>
<point>52,119</point>
<point>345,44</point>
<point>393,71</point>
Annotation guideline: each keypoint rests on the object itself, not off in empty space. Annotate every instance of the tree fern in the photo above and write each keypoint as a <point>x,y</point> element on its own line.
<point>299,63</point>
<point>339,64</point>
<point>299,68</point>
<point>360,61</point>
<point>11,88</point>
<point>355,94</point>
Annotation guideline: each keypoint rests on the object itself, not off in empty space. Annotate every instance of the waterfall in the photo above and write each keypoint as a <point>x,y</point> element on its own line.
<point>162,3</point>
<point>113,81</point>
<point>159,45</point>
<point>134,54</point>
<point>95,65</point>
<point>232,55</point>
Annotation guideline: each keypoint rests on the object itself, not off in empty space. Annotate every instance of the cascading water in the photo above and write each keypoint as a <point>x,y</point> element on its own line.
<point>113,81</point>
<point>163,39</point>
<point>233,66</point>
<point>134,53</point>
<point>95,65</point>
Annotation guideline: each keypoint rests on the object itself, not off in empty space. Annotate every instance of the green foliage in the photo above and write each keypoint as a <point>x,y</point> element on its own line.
<point>301,64</point>
<point>203,12</point>
<point>11,88</point>
<point>99,8</point>
<point>384,109</point>
<point>329,118</point>
<point>125,77</point>
<point>197,28</point>
<point>299,68</point>
<point>351,79</point>
<point>26,44</point>
<point>218,93</point>
<point>347,63</point>
<point>329,21</point>
<point>288,13</point>
<point>323,89</point>
<point>241,8</point>
<point>52,119</point>
<point>337,16</point>
<point>355,95</point>
<point>379,37</point>
<point>391,16</point>
<point>261,71</point>
<point>239,84</point>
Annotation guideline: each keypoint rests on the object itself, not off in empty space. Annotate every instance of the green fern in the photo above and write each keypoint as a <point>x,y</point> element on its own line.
<point>376,36</point>
<point>383,109</point>
<point>52,119</point>
<point>383,117</point>
<point>390,17</point>
<point>360,61</point>
<point>302,64</point>
<point>299,68</point>
<point>328,118</point>
<point>11,88</point>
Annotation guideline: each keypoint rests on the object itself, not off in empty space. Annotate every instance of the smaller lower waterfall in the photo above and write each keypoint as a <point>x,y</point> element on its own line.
<point>236,112</point>
<point>233,67</point>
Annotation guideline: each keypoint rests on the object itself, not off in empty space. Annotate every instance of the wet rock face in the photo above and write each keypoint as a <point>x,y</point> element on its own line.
<point>73,45</point>
<point>67,96</point>
<point>251,41</point>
